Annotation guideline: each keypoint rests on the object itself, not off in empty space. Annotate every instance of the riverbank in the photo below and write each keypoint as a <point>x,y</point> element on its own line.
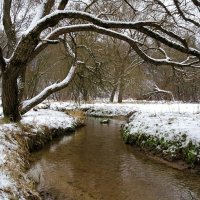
<point>168,131</point>
<point>174,136</point>
<point>17,140</point>
<point>95,163</point>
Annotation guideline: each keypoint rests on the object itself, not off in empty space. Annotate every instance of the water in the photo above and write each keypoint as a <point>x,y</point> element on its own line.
<point>94,163</point>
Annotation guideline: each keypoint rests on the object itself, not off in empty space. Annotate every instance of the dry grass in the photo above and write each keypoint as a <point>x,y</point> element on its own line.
<point>79,114</point>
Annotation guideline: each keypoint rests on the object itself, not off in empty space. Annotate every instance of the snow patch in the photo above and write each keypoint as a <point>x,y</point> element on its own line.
<point>49,118</point>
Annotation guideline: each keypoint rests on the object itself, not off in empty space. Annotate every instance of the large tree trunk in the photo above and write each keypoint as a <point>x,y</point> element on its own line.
<point>10,99</point>
<point>21,85</point>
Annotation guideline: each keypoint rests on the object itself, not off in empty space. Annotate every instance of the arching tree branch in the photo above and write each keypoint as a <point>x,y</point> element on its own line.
<point>140,26</point>
<point>133,43</point>
<point>27,105</point>
<point>8,25</point>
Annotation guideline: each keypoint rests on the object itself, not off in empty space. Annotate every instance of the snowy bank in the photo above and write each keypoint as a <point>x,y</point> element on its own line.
<point>13,156</point>
<point>17,139</point>
<point>173,136</point>
<point>41,126</point>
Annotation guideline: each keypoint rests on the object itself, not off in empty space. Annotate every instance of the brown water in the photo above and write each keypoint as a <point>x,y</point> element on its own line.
<point>94,163</point>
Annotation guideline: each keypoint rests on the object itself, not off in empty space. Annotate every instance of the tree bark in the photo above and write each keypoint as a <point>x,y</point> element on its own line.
<point>21,85</point>
<point>10,100</point>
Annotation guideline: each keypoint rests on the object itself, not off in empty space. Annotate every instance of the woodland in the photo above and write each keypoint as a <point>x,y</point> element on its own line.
<point>88,49</point>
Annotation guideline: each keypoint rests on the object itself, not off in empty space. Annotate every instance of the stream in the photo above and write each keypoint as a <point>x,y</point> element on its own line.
<point>94,163</point>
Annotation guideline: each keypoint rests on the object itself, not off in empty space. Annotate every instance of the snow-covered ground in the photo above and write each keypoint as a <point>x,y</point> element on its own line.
<point>49,118</point>
<point>125,108</point>
<point>13,182</point>
<point>166,125</point>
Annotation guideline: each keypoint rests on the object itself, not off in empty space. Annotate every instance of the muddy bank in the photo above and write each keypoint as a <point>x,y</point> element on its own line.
<point>178,164</point>
<point>18,140</point>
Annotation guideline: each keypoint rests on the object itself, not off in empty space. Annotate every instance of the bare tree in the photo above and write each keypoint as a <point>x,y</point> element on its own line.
<point>167,25</point>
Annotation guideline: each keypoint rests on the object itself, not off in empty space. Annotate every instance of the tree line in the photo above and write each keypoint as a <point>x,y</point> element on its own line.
<point>105,46</point>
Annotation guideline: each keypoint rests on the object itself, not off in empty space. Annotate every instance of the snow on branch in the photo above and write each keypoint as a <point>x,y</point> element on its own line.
<point>177,42</point>
<point>196,3</point>
<point>8,25</point>
<point>133,43</point>
<point>38,16</point>
<point>157,90</point>
<point>164,53</point>
<point>28,104</point>
<point>151,29</point>
<point>164,40</point>
<point>180,11</point>
<point>43,9</point>
<point>56,16</point>
<point>50,41</point>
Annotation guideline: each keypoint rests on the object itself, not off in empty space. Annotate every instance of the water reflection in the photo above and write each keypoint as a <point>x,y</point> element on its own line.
<point>95,164</point>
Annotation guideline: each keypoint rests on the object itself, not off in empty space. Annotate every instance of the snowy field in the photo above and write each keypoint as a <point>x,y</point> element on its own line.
<point>125,108</point>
